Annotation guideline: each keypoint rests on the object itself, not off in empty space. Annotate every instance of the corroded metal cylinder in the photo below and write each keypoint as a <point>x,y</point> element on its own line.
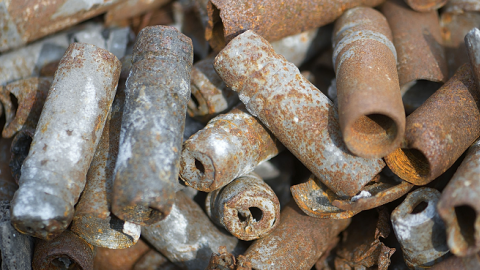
<point>158,89</point>
<point>231,145</point>
<point>370,106</point>
<point>119,259</point>
<point>247,207</point>
<point>272,20</point>
<point>296,112</point>
<point>297,242</point>
<point>425,5</point>
<point>68,131</point>
<point>439,131</point>
<point>419,228</point>
<point>187,237</point>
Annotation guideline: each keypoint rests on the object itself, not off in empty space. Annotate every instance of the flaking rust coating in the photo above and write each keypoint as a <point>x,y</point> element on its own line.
<point>425,5</point>
<point>272,20</point>
<point>297,242</point>
<point>231,145</point>
<point>158,89</point>
<point>68,131</point>
<point>25,21</point>
<point>93,220</point>
<point>370,108</point>
<point>247,207</point>
<point>439,131</point>
<point>31,94</point>
<point>8,186</point>
<point>187,237</point>
<point>119,259</point>
<point>67,251</point>
<point>210,96</point>
<point>421,234</point>
<point>418,42</point>
<point>459,263</point>
<point>296,112</point>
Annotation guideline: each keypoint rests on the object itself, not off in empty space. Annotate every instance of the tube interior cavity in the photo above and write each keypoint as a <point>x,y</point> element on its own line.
<point>466,217</point>
<point>417,209</point>
<point>409,164</point>
<point>217,38</point>
<point>373,132</point>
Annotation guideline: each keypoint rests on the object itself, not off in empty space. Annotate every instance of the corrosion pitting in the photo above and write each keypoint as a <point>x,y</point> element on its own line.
<point>296,112</point>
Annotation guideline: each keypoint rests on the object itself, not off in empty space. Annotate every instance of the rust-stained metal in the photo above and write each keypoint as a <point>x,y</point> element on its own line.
<point>460,6</point>
<point>93,220</point>
<point>361,246</point>
<point>30,95</point>
<point>15,248</point>
<point>23,22</point>
<point>158,89</point>
<point>153,260</point>
<point>210,96</point>
<point>247,207</point>
<point>132,8</point>
<point>472,43</point>
<point>459,263</point>
<point>231,145</point>
<point>370,109</point>
<point>224,260</point>
<point>425,5</point>
<point>419,228</point>
<point>68,131</point>
<point>272,20</point>
<point>7,181</point>
<point>66,251</point>
<point>297,242</point>
<point>439,131</point>
<point>187,237</point>
<point>296,112</point>
<point>119,259</point>
<point>300,47</point>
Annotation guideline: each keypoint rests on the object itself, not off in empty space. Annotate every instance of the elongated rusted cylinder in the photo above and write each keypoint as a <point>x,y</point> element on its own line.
<point>297,242</point>
<point>296,112</point>
<point>425,5</point>
<point>439,131</point>
<point>68,131</point>
<point>459,263</point>
<point>247,207</point>
<point>119,259</point>
<point>25,21</point>
<point>153,260</point>
<point>420,231</point>
<point>187,237</point>
<point>67,251</point>
<point>272,20</point>
<point>370,106</point>
<point>231,145</point>
<point>7,182</point>
<point>93,220</point>
<point>158,89</point>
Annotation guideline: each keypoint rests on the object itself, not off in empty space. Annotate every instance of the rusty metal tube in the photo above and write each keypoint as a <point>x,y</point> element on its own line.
<point>272,20</point>
<point>247,207</point>
<point>187,237</point>
<point>231,145</point>
<point>120,259</point>
<point>419,229</point>
<point>158,89</point>
<point>68,131</point>
<point>132,8</point>
<point>439,131</point>
<point>370,106</point>
<point>296,112</point>
<point>425,5</point>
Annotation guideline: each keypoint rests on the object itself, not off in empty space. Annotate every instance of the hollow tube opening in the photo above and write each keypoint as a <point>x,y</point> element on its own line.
<point>409,164</point>
<point>63,263</point>
<point>257,214</point>
<point>14,100</point>
<point>199,166</point>
<point>373,133</point>
<point>217,38</point>
<point>194,104</point>
<point>419,207</point>
<point>241,216</point>
<point>466,217</point>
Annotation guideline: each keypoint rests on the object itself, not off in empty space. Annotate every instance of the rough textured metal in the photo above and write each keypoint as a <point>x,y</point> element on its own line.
<point>425,5</point>
<point>272,20</point>
<point>439,131</point>
<point>68,131</point>
<point>472,43</point>
<point>187,237</point>
<point>300,47</point>
<point>119,259</point>
<point>222,260</point>
<point>296,112</point>
<point>231,145</point>
<point>30,96</point>
<point>297,242</point>
<point>131,8</point>
<point>153,260</point>
<point>420,230</point>
<point>7,181</point>
<point>27,20</point>
<point>370,109</point>
<point>459,263</point>
<point>210,96</point>
<point>158,89</point>
<point>93,220</point>
<point>67,251</point>
<point>16,249</point>
<point>247,207</point>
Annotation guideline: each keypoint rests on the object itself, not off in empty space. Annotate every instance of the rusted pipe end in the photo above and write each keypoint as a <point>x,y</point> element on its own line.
<point>197,169</point>
<point>411,165</point>
<point>214,33</point>
<point>197,105</point>
<point>426,5</point>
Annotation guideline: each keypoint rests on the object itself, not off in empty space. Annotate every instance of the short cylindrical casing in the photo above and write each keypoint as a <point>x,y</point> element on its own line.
<point>158,89</point>
<point>297,242</point>
<point>439,131</point>
<point>247,207</point>
<point>68,131</point>
<point>187,237</point>
<point>231,145</point>
<point>370,106</point>
<point>425,5</point>
<point>421,233</point>
<point>296,112</point>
